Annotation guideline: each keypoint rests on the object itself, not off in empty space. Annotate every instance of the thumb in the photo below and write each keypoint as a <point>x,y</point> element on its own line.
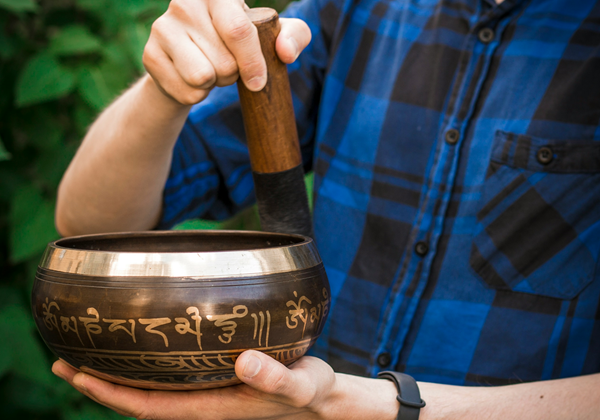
<point>294,37</point>
<point>266,374</point>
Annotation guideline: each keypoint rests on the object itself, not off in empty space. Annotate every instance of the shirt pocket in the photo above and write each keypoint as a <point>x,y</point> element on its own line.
<point>538,223</point>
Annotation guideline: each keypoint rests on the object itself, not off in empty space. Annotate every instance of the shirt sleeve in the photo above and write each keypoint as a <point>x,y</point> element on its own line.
<point>210,174</point>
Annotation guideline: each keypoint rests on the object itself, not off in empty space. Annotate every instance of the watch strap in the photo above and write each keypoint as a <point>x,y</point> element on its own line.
<point>409,396</point>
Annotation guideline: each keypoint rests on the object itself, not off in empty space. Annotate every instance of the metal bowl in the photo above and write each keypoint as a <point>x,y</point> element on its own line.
<point>173,310</point>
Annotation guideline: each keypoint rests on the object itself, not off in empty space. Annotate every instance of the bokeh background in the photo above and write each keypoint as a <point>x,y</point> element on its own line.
<point>61,63</point>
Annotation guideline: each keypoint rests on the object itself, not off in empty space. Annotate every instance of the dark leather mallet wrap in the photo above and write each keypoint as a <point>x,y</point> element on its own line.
<point>273,139</point>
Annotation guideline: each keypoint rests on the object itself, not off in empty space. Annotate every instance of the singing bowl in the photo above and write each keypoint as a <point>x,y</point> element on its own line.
<point>173,310</point>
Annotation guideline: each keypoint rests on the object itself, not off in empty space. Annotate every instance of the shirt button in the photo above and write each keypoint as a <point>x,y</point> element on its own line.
<point>384,360</point>
<point>545,155</point>
<point>486,35</point>
<point>421,248</point>
<point>452,136</point>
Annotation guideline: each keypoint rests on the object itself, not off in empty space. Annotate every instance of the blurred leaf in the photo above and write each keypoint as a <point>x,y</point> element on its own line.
<point>29,395</point>
<point>74,39</point>
<point>91,411</point>
<point>137,35</point>
<point>32,396</point>
<point>27,355</point>
<point>309,181</point>
<point>10,182</point>
<point>43,79</point>
<point>47,133</point>
<point>92,4</point>
<point>8,296</point>
<point>8,46</point>
<point>25,204</point>
<point>94,88</point>
<point>134,8</point>
<point>4,155</point>
<point>98,86</point>
<point>19,5</point>
<point>247,219</point>
<point>32,224</point>
<point>116,54</point>
<point>7,87</point>
<point>198,224</point>
<point>5,358</point>
<point>51,165</point>
<point>83,117</point>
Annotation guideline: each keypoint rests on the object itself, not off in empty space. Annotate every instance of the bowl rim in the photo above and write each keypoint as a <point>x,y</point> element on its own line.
<point>197,265</point>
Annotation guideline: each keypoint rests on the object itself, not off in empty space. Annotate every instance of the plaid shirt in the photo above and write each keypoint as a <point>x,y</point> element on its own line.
<point>456,153</point>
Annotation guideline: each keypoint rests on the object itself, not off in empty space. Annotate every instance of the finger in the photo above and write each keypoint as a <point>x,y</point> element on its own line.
<point>294,37</point>
<point>191,64</point>
<point>187,23</point>
<point>269,376</point>
<point>125,400</point>
<point>203,34</point>
<point>143,404</point>
<point>241,38</point>
<point>222,61</point>
<point>188,60</point>
<point>166,76</point>
<point>80,386</point>
<point>63,370</point>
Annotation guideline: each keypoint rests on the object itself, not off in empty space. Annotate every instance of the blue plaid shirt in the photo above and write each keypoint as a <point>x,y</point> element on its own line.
<point>456,152</point>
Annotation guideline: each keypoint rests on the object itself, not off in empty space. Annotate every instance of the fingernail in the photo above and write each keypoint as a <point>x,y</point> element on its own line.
<point>295,47</point>
<point>78,382</point>
<point>256,83</point>
<point>252,367</point>
<point>59,374</point>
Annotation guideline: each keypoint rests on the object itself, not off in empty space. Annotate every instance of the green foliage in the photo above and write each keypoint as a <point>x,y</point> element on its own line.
<point>89,411</point>
<point>24,353</point>
<point>43,78</point>
<point>74,40</point>
<point>4,155</point>
<point>19,5</point>
<point>31,224</point>
<point>61,63</point>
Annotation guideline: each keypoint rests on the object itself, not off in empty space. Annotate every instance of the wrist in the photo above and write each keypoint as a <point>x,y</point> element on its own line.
<point>450,402</point>
<point>152,92</point>
<point>408,396</point>
<point>156,118</point>
<point>354,397</point>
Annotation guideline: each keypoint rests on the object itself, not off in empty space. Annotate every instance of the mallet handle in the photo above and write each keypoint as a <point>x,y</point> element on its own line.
<point>273,139</point>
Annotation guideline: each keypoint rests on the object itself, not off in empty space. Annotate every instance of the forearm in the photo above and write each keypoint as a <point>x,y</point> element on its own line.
<point>310,390</point>
<point>561,399</point>
<point>116,179</point>
<point>357,398</point>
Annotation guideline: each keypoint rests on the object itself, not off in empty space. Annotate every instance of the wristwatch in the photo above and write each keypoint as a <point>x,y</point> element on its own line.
<point>409,396</point>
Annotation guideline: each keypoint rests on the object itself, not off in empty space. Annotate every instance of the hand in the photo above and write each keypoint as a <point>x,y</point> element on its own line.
<point>305,390</point>
<point>199,44</point>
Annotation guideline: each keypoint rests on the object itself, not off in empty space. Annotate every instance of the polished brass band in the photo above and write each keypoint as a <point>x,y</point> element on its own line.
<point>205,264</point>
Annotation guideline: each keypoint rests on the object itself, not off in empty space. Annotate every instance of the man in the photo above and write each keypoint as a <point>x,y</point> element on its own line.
<point>457,182</point>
